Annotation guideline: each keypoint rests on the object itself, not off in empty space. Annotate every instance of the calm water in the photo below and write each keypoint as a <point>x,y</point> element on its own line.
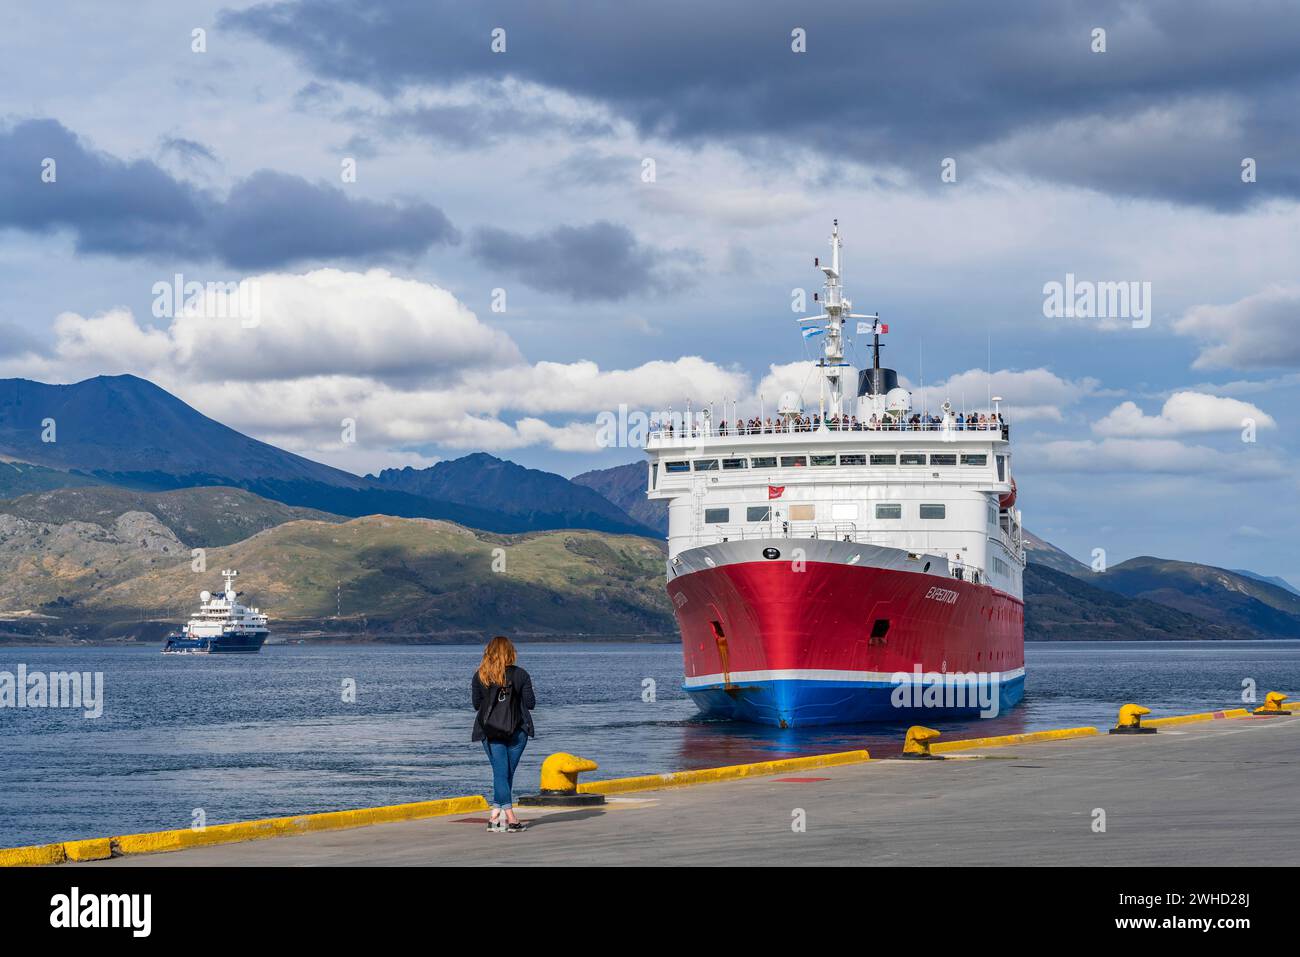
<point>270,735</point>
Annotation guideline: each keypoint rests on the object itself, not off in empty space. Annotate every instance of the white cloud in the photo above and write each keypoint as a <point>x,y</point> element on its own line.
<point>407,362</point>
<point>1028,395</point>
<point>800,377</point>
<point>1184,413</point>
<point>1258,331</point>
<point>329,320</point>
<point>746,208</point>
<point>1111,458</point>
<point>360,460</point>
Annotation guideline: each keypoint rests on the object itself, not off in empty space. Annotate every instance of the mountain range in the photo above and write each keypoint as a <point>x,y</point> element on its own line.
<point>109,484</point>
<point>127,432</point>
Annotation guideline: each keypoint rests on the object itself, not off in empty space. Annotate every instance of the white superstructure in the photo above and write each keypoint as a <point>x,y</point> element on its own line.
<point>221,614</point>
<point>862,466</point>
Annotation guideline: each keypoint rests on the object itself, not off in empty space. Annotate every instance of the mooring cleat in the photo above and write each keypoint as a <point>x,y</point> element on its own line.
<point>1130,720</point>
<point>1272,706</point>
<point>560,783</point>
<point>917,743</point>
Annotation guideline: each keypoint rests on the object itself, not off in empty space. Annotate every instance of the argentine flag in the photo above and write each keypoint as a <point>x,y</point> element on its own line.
<point>812,331</point>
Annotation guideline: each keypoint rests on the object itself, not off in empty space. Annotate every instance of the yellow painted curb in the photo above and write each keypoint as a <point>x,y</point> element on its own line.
<point>970,744</point>
<point>677,779</point>
<point>1202,716</point>
<point>32,856</point>
<point>150,843</point>
<point>94,849</point>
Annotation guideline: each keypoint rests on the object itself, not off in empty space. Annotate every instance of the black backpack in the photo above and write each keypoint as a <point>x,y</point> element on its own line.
<point>501,712</point>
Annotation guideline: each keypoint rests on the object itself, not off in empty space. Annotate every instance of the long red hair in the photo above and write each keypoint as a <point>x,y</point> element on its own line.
<point>497,657</point>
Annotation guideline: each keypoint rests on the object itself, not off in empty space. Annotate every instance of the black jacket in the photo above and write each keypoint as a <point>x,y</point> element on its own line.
<point>523,685</point>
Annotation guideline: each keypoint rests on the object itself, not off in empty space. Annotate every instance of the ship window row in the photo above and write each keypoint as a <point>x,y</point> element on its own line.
<point>840,512</point>
<point>973,459</point>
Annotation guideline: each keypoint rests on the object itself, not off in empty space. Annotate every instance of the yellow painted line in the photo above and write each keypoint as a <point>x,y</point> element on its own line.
<point>1189,718</point>
<point>970,744</point>
<point>677,779</point>
<point>150,843</point>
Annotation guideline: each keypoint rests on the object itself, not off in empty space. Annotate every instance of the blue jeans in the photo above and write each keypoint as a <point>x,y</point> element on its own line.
<point>504,756</point>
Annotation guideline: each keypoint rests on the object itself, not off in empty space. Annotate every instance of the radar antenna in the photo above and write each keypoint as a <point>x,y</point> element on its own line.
<point>836,309</point>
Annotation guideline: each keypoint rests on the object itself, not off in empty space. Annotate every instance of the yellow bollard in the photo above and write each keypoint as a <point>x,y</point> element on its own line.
<point>917,743</point>
<point>1130,720</point>
<point>1272,706</point>
<point>560,771</point>
<point>560,782</point>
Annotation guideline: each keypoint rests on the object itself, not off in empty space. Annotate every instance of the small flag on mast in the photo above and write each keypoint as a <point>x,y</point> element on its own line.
<point>872,328</point>
<point>775,491</point>
<point>812,331</point>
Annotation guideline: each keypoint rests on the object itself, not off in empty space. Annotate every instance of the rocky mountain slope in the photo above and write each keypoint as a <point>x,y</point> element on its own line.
<point>625,486</point>
<point>538,499</point>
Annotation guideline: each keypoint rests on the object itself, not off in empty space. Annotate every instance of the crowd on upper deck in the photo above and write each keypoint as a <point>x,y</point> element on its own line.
<point>918,422</point>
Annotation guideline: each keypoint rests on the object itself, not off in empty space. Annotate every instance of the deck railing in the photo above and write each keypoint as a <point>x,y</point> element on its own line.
<point>682,434</point>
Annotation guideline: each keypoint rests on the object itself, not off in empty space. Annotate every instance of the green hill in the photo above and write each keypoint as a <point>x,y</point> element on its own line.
<point>1061,607</point>
<point>406,579</point>
<point>1226,598</point>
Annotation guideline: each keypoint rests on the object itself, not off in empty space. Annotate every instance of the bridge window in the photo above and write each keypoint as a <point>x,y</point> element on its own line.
<point>763,461</point>
<point>803,513</point>
<point>758,513</point>
<point>823,460</point>
<point>934,511</point>
<point>884,511</point>
<point>1002,468</point>
<point>944,458</point>
<point>913,458</point>
<point>671,467</point>
<point>793,461</point>
<point>706,465</point>
<point>734,464</point>
<point>853,460</point>
<point>972,459</point>
<point>717,516</point>
<point>844,511</point>
<point>884,459</point>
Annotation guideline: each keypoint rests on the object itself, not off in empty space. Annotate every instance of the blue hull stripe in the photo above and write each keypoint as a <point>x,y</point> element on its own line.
<point>795,703</point>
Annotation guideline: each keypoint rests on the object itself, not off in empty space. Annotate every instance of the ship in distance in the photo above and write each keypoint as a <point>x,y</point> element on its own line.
<point>221,626</point>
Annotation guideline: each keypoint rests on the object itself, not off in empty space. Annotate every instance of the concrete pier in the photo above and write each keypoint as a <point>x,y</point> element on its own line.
<point>1209,793</point>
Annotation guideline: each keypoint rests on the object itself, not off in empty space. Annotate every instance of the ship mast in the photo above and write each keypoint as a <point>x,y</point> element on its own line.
<point>836,310</point>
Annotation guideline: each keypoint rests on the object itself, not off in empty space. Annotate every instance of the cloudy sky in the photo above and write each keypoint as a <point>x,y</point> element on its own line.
<point>638,188</point>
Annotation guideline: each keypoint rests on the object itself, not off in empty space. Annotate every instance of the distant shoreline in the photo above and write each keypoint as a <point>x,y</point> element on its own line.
<point>27,641</point>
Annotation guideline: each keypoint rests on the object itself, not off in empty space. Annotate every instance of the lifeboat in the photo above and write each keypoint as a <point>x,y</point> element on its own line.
<point>1006,501</point>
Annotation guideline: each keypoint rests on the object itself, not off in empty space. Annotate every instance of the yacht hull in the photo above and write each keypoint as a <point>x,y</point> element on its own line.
<point>220,645</point>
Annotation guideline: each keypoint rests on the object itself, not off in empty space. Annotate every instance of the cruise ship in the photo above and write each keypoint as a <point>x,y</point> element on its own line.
<point>222,625</point>
<point>857,561</point>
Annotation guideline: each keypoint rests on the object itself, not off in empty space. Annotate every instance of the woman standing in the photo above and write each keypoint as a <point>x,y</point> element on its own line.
<point>502,694</point>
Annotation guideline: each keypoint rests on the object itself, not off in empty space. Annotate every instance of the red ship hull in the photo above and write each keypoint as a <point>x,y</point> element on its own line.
<point>839,643</point>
